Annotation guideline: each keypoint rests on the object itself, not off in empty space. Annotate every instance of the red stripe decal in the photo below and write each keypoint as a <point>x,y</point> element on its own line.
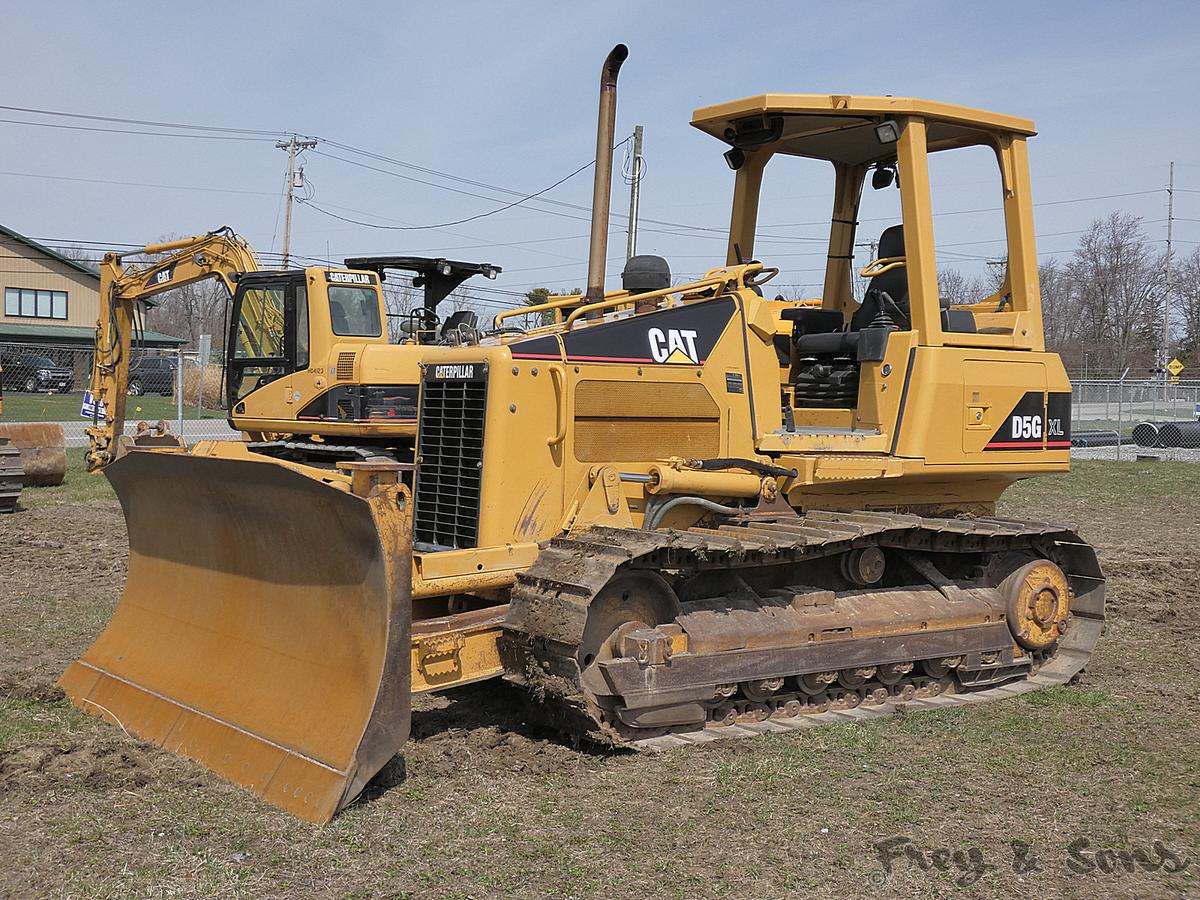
<point>1024,445</point>
<point>612,359</point>
<point>375,421</point>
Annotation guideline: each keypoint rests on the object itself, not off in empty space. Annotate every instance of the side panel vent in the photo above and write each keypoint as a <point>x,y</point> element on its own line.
<point>636,421</point>
<point>450,457</point>
<point>345,366</point>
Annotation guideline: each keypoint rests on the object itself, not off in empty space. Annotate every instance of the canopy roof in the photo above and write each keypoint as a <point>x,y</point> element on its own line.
<point>840,128</point>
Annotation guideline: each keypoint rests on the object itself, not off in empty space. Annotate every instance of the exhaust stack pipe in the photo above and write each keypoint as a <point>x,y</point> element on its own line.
<point>602,188</point>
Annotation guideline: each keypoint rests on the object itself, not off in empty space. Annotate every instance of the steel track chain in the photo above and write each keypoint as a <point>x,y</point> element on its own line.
<point>549,601</point>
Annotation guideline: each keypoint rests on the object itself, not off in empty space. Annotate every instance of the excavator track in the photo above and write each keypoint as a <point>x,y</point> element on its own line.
<point>738,664</point>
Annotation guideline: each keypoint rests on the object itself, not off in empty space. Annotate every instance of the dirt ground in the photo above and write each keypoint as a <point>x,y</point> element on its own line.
<point>1085,791</point>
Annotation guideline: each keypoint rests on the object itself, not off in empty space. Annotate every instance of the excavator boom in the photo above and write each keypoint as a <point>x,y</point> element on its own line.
<point>124,290</point>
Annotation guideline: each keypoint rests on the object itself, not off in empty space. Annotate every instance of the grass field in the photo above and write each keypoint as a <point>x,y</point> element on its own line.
<point>65,408</point>
<point>493,807</point>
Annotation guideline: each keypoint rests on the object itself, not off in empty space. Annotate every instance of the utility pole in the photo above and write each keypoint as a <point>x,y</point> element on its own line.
<point>1166,333</point>
<point>295,179</point>
<point>635,182</point>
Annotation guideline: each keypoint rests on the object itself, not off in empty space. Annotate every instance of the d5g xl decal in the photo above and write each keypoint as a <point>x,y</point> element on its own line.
<point>1038,422</point>
<point>682,335</point>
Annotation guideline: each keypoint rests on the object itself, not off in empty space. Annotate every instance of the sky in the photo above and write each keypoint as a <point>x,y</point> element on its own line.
<point>504,95</point>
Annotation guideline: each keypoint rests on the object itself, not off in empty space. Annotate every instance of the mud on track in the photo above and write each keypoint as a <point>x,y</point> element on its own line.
<point>487,805</point>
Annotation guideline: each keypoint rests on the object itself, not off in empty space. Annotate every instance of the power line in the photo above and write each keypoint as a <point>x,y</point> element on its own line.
<point>210,137</point>
<point>485,186</point>
<point>960,212</point>
<point>166,187</point>
<point>431,184</point>
<point>473,237</point>
<point>147,122</point>
<point>462,221</point>
<point>269,134</point>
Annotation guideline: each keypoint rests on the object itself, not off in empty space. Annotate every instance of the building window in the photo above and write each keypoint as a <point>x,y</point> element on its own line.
<point>31,304</point>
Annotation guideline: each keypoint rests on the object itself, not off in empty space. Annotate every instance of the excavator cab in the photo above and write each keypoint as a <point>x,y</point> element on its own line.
<point>312,373</point>
<point>293,335</point>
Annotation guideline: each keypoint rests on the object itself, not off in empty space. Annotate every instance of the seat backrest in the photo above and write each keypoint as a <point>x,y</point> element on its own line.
<point>458,318</point>
<point>893,282</point>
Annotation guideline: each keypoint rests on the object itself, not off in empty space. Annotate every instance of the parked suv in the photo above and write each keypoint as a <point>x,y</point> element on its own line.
<point>32,372</point>
<point>152,375</point>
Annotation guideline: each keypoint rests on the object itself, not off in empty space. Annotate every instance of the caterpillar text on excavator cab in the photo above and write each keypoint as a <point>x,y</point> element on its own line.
<point>676,513</point>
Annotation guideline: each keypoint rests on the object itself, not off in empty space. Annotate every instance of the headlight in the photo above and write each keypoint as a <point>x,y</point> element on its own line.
<point>43,373</point>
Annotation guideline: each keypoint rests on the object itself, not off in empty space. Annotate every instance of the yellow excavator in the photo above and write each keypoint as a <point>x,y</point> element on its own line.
<point>675,513</point>
<point>287,370</point>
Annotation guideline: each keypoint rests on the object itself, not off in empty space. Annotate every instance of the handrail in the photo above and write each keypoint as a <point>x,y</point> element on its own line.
<point>558,378</point>
<point>617,298</point>
<point>650,295</point>
<point>549,305</point>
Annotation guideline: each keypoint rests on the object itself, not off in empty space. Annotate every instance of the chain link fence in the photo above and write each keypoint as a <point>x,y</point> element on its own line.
<point>48,383</point>
<point>1116,418</point>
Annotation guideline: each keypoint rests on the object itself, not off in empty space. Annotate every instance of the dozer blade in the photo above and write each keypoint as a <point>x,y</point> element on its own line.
<point>264,629</point>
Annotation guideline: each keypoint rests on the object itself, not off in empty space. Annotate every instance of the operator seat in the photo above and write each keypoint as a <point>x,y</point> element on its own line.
<point>461,318</point>
<point>821,331</point>
<point>893,282</point>
<point>826,366</point>
<point>337,316</point>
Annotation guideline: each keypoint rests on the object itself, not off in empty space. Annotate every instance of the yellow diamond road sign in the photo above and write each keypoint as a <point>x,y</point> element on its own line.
<point>1175,367</point>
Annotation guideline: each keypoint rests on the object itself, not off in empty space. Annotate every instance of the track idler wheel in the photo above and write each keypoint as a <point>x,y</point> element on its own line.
<point>1039,600</point>
<point>642,597</point>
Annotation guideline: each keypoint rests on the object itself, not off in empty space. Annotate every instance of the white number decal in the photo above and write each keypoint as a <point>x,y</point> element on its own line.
<point>1027,427</point>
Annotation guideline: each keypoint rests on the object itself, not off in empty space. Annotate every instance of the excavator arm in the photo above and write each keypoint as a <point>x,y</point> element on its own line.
<point>124,290</point>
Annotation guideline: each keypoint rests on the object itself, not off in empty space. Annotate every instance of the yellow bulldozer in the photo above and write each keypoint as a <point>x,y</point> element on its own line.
<point>674,513</point>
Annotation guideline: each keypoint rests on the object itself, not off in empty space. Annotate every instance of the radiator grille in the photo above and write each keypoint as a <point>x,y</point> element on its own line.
<point>450,467</point>
<point>345,366</point>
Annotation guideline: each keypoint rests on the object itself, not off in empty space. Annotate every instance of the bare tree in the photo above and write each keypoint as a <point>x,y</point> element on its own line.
<point>399,299</point>
<point>1186,306</point>
<point>1118,282</point>
<point>89,258</point>
<point>1059,305</point>
<point>190,311</point>
<point>957,288</point>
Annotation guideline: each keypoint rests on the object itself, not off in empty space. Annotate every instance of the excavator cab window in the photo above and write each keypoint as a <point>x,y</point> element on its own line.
<point>268,333</point>
<point>354,311</point>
